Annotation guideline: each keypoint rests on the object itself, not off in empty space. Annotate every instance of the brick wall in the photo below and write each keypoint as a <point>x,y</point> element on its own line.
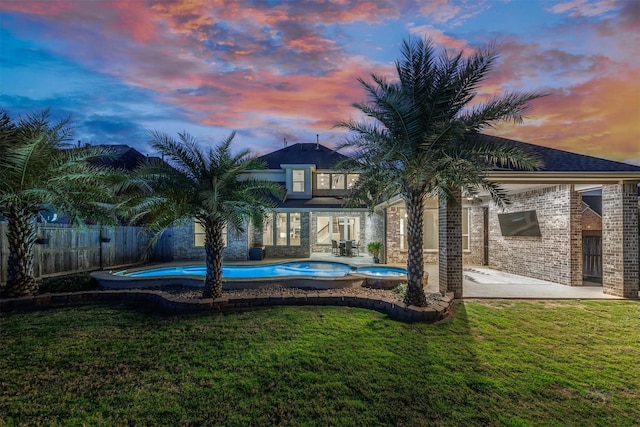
<point>374,232</point>
<point>185,249</point>
<point>450,246</point>
<point>183,243</point>
<point>237,248</point>
<point>475,254</point>
<point>394,255</point>
<point>620,247</point>
<point>557,255</point>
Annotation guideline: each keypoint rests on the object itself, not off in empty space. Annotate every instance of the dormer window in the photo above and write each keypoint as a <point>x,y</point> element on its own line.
<point>337,181</point>
<point>323,181</point>
<point>352,179</point>
<point>298,181</point>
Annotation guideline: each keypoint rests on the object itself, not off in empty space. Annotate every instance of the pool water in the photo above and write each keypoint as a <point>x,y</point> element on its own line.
<point>382,271</point>
<point>302,268</point>
<point>324,269</point>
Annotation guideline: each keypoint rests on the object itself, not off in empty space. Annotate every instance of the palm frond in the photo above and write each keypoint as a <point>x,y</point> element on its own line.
<point>208,185</point>
<point>40,168</point>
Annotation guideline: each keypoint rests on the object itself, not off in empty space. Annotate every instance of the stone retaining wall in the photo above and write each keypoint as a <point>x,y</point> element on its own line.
<point>167,303</point>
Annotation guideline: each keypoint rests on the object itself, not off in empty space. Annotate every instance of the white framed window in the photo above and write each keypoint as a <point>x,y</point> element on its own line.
<point>337,181</point>
<point>352,179</point>
<point>466,224</point>
<point>323,181</point>
<point>324,232</point>
<point>402,213</point>
<point>335,227</point>
<point>430,229</point>
<point>267,230</point>
<point>294,229</point>
<point>199,234</point>
<point>284,230</point>
<point>298,181</point>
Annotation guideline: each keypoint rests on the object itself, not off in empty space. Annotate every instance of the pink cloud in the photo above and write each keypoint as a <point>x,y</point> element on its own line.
<point>587,118</point>
<point>438,37</point>
<point>251,101</point>
<point>449,12</point>
<point>115,17</point>
<point>237,65</point>
<point>585,7</point>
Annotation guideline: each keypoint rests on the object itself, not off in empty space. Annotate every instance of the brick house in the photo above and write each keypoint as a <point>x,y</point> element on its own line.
<point>310,217</point>
<point>540,235</point>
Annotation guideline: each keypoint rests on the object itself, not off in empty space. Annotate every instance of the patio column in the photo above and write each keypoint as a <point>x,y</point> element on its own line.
<point>450,244</point>
<point>620,239</point>
<point>575,237</point>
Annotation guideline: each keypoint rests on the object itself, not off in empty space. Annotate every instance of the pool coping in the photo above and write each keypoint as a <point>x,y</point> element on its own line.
<point>163,302</point>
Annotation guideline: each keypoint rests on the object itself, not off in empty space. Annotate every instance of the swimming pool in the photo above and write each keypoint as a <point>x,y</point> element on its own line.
<point>301,274</point>
<point>303,268</point>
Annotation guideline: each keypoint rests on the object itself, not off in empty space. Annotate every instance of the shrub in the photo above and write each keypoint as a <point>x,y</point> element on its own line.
<point>400,290</point>
<point>69,283</point>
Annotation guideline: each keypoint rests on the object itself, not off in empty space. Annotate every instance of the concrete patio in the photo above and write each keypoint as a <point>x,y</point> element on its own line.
<point>483,282</point>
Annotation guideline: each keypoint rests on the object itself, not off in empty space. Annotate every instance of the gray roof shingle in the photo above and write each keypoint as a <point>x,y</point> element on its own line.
<point>565,161</point>
<point>303,153</point>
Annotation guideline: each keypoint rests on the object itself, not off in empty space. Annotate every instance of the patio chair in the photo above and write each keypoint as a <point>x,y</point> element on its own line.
<point>335,249</point>
<point>348,248</point>
<point>356,249</point>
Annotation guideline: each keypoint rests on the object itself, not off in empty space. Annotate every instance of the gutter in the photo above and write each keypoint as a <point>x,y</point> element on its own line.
<point>563,177</point>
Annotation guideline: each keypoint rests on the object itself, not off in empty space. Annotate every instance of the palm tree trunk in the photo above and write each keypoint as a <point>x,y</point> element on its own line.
<point>213,245</point>
<point>21,235</point>
<point>415,268</point>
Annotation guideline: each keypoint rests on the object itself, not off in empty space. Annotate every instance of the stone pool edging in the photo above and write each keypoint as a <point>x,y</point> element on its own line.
<point>169,304</point>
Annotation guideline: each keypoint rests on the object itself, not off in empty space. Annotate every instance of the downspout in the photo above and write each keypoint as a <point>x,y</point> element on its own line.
<point>100,241</point>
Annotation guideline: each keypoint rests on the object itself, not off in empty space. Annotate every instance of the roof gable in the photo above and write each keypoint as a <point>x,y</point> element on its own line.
<point>304,154</point>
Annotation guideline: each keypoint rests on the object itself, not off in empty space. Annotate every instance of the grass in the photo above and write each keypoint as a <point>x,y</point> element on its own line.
<point>494,363</point>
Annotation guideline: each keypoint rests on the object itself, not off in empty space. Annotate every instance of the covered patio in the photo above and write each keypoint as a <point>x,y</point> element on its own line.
<point>483,282</point>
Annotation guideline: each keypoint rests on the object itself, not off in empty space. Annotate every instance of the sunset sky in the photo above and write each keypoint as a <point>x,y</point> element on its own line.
<point>288,69</point>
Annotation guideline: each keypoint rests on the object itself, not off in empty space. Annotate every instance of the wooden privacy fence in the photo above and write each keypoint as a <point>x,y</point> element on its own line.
<point>66,249</point>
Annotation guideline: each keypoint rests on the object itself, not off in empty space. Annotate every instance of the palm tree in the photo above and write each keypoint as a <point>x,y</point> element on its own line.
<point>40,171</point>
<point>210,187</point>
<point>421,138</point>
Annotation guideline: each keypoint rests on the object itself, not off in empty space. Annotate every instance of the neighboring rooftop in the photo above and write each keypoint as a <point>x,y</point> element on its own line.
<point>126,157</point>
<point>303,153</point>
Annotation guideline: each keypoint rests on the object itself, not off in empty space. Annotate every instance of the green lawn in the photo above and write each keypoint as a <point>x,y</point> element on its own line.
<point>494,363</point>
